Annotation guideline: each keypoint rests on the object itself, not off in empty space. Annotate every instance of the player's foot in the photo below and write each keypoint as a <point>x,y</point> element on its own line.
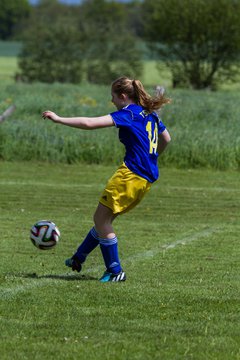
<point>73,263</point>
<point>107,276</point>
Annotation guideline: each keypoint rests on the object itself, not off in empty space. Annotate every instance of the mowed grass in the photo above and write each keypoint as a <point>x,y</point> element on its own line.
<point>180,249</point>
<point>9,68</point>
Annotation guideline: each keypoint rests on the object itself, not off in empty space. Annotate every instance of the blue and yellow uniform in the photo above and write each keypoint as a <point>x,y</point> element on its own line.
<point>138,131</point>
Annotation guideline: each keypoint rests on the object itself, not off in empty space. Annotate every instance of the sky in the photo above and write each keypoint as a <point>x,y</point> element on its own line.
<point>34,2</point>
<point>69,2</point>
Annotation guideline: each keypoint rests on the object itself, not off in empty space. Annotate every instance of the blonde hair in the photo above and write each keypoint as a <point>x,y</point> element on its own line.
<point>135,91</point>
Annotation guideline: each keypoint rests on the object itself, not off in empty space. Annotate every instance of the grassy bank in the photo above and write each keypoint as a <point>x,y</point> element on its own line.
<point>204,126</point>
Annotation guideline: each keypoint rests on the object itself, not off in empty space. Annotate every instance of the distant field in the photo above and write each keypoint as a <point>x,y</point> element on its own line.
<point>180,249</point>
<point>10,48</point>
<point>8,60</point>
<point>9,66</point>
<point>151,75</point>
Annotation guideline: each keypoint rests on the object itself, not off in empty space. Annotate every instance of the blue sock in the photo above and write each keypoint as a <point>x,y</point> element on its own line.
<point>109,248</point>
<point>88,245</point>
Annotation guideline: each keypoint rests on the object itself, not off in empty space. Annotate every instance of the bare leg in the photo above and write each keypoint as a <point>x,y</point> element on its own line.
<point>108,241</point>
<point>103,219</point>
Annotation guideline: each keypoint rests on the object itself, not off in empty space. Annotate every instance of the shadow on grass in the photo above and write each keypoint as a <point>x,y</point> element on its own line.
<point>59,277</point>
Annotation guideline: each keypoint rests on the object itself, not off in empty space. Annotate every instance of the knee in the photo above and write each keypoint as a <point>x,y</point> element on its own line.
<point>103,226</point>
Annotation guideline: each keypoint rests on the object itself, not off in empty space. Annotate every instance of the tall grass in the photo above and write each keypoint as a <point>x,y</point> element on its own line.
<point>204,126</point>
<point>205,129</point>
<point>26,136</point>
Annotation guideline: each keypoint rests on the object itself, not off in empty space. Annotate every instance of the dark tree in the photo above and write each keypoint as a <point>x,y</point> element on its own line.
<point>52,46</point>
<point>12,12</point>
<point>111,48</point>
<point>199,40</point>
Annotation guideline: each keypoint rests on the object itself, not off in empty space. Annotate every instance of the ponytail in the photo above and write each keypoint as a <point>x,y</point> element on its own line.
<point>135,91</point>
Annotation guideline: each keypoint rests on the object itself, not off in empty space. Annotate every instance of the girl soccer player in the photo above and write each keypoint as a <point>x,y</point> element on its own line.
<point>144,137</point>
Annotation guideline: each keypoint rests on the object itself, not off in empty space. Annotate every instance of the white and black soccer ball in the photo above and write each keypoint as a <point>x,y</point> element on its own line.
<point>44,235</point>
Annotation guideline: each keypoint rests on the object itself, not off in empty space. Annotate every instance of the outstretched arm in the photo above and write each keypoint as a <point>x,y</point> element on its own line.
<point>87,123</point>
<point>163,139</point>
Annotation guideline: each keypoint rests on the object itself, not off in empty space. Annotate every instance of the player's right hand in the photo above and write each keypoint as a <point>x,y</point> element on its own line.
<point>50,115</point>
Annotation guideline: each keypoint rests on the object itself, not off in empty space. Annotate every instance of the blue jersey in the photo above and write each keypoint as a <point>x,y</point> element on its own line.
<point>138,131</point>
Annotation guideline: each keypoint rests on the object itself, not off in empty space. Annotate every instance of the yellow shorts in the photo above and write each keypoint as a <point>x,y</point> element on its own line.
<point>124,190</point>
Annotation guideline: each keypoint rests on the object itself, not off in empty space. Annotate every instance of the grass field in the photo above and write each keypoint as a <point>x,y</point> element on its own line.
<point>180,250</point>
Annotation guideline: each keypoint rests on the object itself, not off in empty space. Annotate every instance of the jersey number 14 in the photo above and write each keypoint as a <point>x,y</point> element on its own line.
<point>153,137</point>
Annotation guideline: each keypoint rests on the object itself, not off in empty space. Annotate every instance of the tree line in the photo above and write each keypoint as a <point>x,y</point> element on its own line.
<point>198,40</point>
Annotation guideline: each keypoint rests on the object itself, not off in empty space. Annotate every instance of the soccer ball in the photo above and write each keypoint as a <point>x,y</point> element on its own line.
<point>44,235</point>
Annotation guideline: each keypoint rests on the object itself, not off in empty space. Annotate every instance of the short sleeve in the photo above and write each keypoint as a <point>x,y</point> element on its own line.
<point>161,127</point>
<point>122,118</point>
